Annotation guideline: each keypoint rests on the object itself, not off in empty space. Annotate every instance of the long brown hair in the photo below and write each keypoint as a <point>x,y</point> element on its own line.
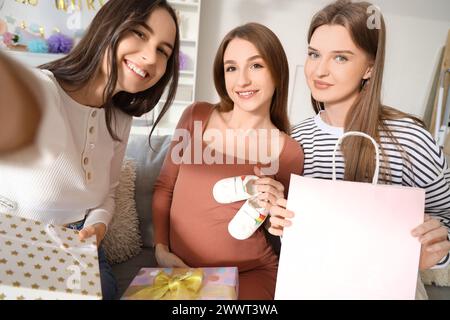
<point>114,20</point>
<point>271,50</point>
<point>367,114</point>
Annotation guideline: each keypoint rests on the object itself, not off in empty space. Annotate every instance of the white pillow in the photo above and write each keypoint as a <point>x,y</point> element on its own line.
<point>123,240</point>
<point>438,277</point>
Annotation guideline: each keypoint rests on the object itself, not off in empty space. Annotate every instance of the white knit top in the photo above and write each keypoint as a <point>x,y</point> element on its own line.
<point>74,166</point>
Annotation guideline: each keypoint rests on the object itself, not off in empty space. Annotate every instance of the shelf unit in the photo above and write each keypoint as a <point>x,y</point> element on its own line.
<point>188,13</point>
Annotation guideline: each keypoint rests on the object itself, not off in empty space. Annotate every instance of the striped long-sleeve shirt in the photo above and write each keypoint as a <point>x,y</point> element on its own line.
<point>425,165</point>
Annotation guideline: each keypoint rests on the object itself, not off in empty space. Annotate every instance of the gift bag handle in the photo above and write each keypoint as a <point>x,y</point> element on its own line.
<point>360,134</point>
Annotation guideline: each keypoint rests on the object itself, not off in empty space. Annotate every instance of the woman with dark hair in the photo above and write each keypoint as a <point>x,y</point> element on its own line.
<point>344,70</point>
<point>191,227</point>
<point>87,99</point>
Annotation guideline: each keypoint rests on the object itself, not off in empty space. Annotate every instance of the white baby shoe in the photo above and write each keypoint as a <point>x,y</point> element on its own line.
<point>235,189</point>
<point>247,220</point>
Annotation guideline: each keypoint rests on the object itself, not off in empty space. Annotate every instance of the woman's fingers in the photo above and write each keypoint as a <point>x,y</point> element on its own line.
<point>279,211</point>
<point>280,222</point>
<point>433,236</point>
<point>86,232</point>
<point>427,226</point>
<point>281,202</point>
<point>267,198</point>
<point>178,263</point>
<point>443,246</point>
<point>276,231</point>
<point>270,182</point>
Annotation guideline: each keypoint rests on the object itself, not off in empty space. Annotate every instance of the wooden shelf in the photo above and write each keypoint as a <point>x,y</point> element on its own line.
<point>186,73</point>
<point>186,4</point>
<point>188,41</point>
<point>31,58</point>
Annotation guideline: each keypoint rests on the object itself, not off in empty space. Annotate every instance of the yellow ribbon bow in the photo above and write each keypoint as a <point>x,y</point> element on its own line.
<point>177,287</point>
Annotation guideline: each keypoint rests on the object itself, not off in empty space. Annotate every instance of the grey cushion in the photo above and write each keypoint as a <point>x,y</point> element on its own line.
<point>125,272</point>
<point>148,166</point>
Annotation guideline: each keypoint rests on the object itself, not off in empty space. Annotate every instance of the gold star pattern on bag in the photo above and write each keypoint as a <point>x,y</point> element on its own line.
<point>46,265</point>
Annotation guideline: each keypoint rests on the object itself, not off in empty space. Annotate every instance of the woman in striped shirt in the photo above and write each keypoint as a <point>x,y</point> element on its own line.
<point>344,70</point>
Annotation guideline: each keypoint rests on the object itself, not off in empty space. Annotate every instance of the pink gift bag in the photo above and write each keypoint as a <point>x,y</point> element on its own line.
<point>350,240</point>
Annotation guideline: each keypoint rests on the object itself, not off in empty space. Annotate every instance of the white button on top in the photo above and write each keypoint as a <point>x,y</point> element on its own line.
<point>94,114</point>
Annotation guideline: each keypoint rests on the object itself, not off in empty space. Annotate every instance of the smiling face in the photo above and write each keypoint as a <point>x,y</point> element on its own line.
<point>143,53</point>
<point>248,79</point>
<point>335,66</point>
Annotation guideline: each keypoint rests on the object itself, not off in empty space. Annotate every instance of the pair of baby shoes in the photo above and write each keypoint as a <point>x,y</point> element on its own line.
<point>250,216</point>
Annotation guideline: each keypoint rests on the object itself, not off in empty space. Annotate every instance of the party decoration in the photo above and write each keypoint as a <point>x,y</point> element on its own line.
<point>10,19</point>
<point>65,5</point>
<point>30,2</point>
<point>183,59</point>
<point>59,43</point>
<point>38,46</point>
<point>3,27</point>
<point>10,39</point>
<point>24,36</point>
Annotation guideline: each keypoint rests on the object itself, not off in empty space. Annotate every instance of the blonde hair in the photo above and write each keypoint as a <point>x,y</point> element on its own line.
<point>367,114</point>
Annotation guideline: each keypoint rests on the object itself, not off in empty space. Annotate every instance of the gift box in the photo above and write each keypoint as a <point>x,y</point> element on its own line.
<point>184,284</point>
<point>42,261</point>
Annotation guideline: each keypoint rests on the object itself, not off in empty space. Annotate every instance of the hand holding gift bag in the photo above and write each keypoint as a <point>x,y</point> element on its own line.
<point>350,240</point>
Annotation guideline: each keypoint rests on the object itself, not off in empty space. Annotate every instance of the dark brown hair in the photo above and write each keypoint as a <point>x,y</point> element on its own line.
<point>271,50</point>
<point>367,114</point>
<point>114,20</point>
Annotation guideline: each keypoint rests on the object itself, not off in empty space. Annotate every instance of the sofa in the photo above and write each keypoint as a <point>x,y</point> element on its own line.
<point>148,163</point>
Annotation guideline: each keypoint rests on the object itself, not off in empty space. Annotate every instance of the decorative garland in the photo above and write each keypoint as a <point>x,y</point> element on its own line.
<point>65,5</point>
<point>78,4</point>
<point>31,37</point>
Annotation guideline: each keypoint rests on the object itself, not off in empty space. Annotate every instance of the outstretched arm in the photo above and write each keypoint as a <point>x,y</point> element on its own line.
<point>19,108</point>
